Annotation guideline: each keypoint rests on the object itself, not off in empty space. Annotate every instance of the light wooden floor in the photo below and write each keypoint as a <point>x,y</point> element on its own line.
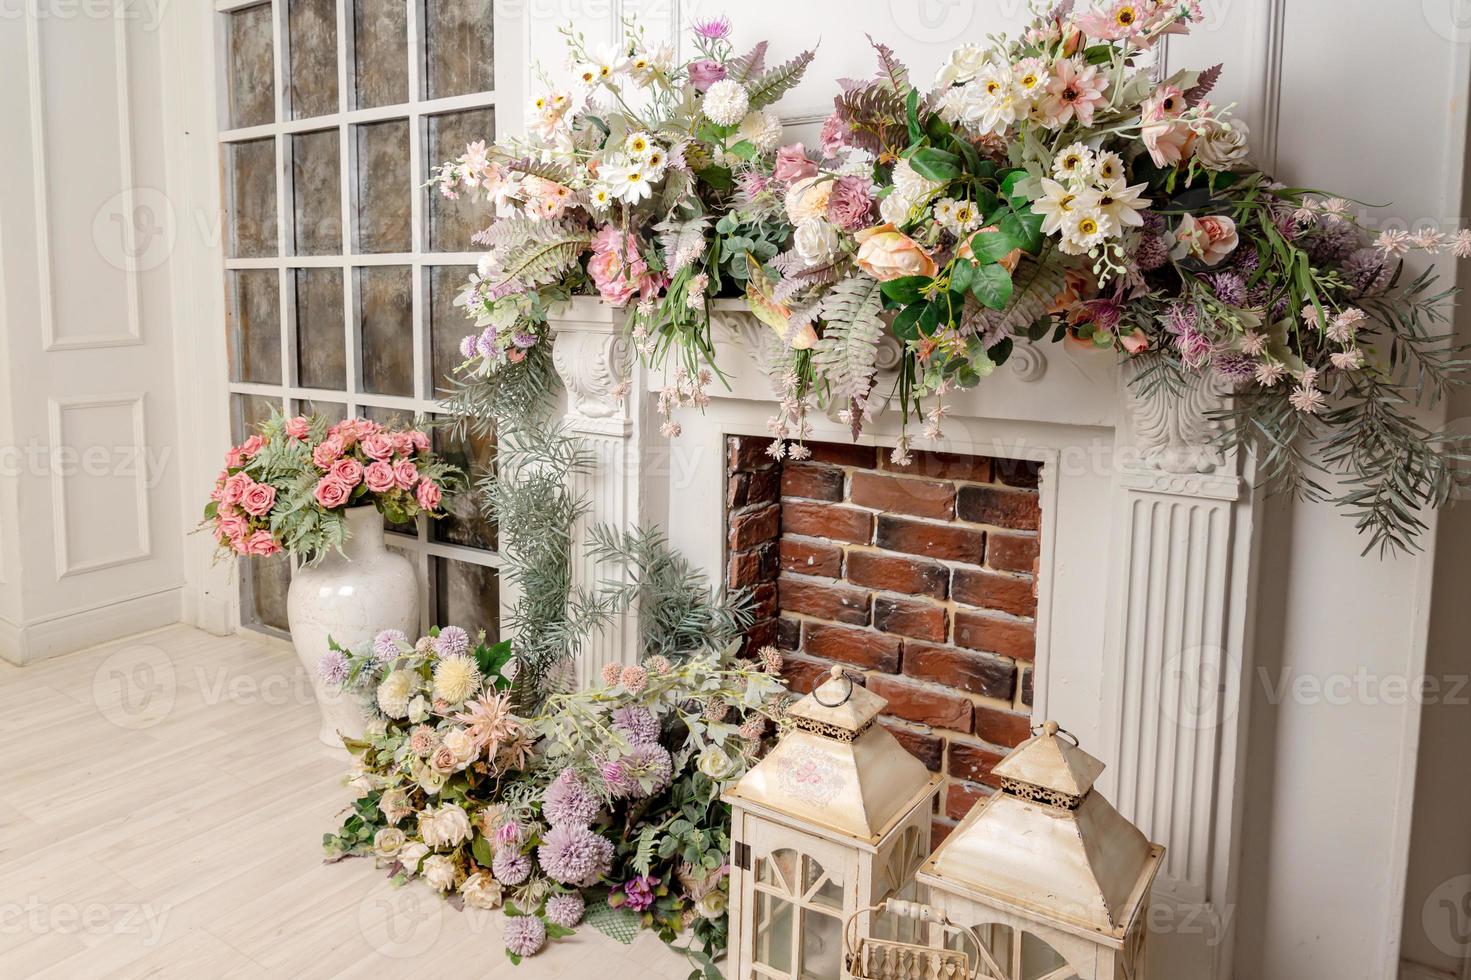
<point>162,805</point>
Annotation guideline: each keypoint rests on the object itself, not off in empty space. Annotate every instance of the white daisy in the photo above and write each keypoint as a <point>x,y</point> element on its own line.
<point>1084,229</point>
<point>1108,167</point>
<point>1055,205</point>
<point>1076,163</point>
<point>1120,202</point>
<point>629,181</point>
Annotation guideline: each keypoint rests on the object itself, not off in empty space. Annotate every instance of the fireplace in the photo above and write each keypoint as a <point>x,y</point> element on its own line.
<point>1069,551</point>
<point>920,580</point>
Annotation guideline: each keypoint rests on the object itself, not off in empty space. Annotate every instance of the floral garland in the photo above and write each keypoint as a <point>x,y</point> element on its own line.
<point>604,804</point>
<point>288,486</point>
<point>1046,187</point>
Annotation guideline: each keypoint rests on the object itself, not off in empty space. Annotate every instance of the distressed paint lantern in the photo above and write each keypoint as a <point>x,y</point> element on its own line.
<point>833,821</point>
<point>1051,877</point>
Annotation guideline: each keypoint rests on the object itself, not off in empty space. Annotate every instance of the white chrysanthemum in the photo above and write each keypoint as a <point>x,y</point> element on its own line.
<point>638,145</point>
<point>456,680</point>
<point>908,182</point>
<point>959,217</point>
<point>1108,167</point>
<point>1075,164</point>
<point>1083,229</point>
<point>395,691</point>
<point>726,102</point>
<point>762,129</point>
<point>599,197</point>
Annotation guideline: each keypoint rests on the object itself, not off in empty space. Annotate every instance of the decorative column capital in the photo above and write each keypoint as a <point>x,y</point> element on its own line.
<point>592,358</point>
<point>1174,447</point>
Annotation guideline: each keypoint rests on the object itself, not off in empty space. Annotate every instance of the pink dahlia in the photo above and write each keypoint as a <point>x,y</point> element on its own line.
<point>851,203</point>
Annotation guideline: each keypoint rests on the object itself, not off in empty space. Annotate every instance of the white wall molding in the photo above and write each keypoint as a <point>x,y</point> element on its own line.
<point>81,628</point>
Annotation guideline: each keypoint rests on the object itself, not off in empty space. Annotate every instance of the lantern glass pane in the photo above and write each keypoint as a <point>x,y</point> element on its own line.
<point>1041,960</point>
<point>829,893</point>
<point>774,932</point>
<point>779,870</point>
<point>822,944</point>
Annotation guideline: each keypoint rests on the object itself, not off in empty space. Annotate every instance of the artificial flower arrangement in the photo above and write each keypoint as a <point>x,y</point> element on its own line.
<point>603,805</point>
<point>288,486</point>
<point>623,187</point>
<point>1049,186</point>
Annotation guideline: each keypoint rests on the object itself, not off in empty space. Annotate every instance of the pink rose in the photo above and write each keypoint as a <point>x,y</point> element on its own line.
<point>1209,239</point>
<point>332,492</point>
<point>403,444</point>
<point>405,474</point>
<point>420,441</point>
<point>792,164</point>
<point>327,452</point>
<point>617,268</point>
<point>234,489</point>
<point>834,135</point>
<point>241,542</point>
<point>850,203</point>
<point>299,427</point>
<point>259,499</point>
<point>251,446</point>
<point>261,544</point>
<point>704,73</point>
<point>348,470</point>
<point>379,476</point>
<point>232,525</point>
<point>428,495</point>
<point>378,446</point>
<point>234,458</point>
<point>886,253</point>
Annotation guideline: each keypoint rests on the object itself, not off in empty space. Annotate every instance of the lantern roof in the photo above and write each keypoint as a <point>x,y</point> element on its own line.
<point>1048,846</point>
<point>836,770</point>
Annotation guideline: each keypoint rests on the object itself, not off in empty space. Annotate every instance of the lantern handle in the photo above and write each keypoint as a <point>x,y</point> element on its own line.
<point>837,672</point>
<point>1053,728</point>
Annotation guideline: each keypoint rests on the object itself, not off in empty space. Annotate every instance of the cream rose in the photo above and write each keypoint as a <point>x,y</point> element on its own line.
<point>965,63</point>
<point>481,891</point>
<point>430,781</point>
<point>808,199</point>
<point>1223,145</point>
<point>1209,239</point>
<point>716,763</point>
<point>711,904</point>
<point>816,241</point>
<point>439,871</point>
<point>389,841</point>
<point>885,254</point>
<point>442,760</point>
<point>464,747</point>
<point>410,855</point>
<point>444,826</point>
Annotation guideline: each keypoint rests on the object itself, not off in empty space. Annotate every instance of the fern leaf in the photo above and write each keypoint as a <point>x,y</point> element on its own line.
<point>773,84</point>
<point>555,172</point>
<point>848,351</point>
<point>1036,287</point>
<point>1204,84</point>
<point>749,64</point>
<point>891,68</point>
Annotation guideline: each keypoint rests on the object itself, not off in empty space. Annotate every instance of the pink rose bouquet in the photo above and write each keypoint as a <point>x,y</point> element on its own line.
<point>285,488</point>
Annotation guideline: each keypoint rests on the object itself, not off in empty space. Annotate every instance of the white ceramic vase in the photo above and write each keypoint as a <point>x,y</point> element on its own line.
<point>350,597</point>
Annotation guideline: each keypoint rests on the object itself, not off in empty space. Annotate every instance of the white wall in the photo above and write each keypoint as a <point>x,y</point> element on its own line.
<point>91,517</point>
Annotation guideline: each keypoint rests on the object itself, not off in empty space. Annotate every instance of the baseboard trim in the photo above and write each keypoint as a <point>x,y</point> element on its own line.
<point>67,633</point>
<point>1419,971</point>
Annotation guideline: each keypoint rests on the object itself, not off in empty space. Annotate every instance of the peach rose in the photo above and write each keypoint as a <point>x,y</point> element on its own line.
<point>332,492</point>
<point>1209,239</point>
<point>258,499</point>
<point>886,253</point>
<point>428,495</point>
<point>405,474</point>
<point>379,476</point>
<point>378,446</point>
<point>348,470</point>
<point>1134,341</point>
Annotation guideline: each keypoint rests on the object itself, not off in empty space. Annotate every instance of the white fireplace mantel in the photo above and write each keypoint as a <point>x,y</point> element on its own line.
<point>1144,595</point>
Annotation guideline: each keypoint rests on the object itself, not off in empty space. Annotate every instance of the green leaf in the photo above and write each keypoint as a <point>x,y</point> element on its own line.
<point>211,509</point>
<point>719,178</point>
<point>1009,182</point>
<point>934,164</point>
<point>961,275</point>
<point>1098,54</point>
<point>744,150</point>
<point>993,287</point>
<point>1000,351</point>
<point>929,320</point>
<point>480,847</point>
<point>906,289</point>
<point>1024,228</point>
<point>992,246</point>
<point>911,107</point>
<point>906,324</point>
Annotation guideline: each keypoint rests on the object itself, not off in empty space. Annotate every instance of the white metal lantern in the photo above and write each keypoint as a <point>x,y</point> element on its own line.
<point>833,821</point>
<point>1050,876</point>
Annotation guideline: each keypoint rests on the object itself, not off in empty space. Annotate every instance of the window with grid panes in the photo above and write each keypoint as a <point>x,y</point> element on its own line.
<point>341,268</point>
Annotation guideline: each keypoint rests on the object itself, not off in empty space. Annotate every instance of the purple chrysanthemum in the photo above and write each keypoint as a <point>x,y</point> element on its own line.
<point>636,724</point>
<point>525,935</point>
<point>1235,368</point>
<point>523,339</point>
<point>332,668</point>
<point>510,866</point>
<point>568,800</point>
<point>485,344</point>
<point>565,910</point>
<point>643,772</point>
<point>1334,242</point>
<point>575,855</point>
<point>1367,271</point>
<point>467,346</point>
<point>1195,347</point>
<point>452,642</point>
<point>1246,259</point>
<point>386,645</point>
<point>713,28</point>
<point>1229,287</point>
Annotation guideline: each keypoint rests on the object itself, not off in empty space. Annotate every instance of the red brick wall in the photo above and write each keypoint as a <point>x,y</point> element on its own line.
<point>921,580</point>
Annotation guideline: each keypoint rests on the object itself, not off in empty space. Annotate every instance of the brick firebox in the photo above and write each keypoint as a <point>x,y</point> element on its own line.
<point>920,580</point>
